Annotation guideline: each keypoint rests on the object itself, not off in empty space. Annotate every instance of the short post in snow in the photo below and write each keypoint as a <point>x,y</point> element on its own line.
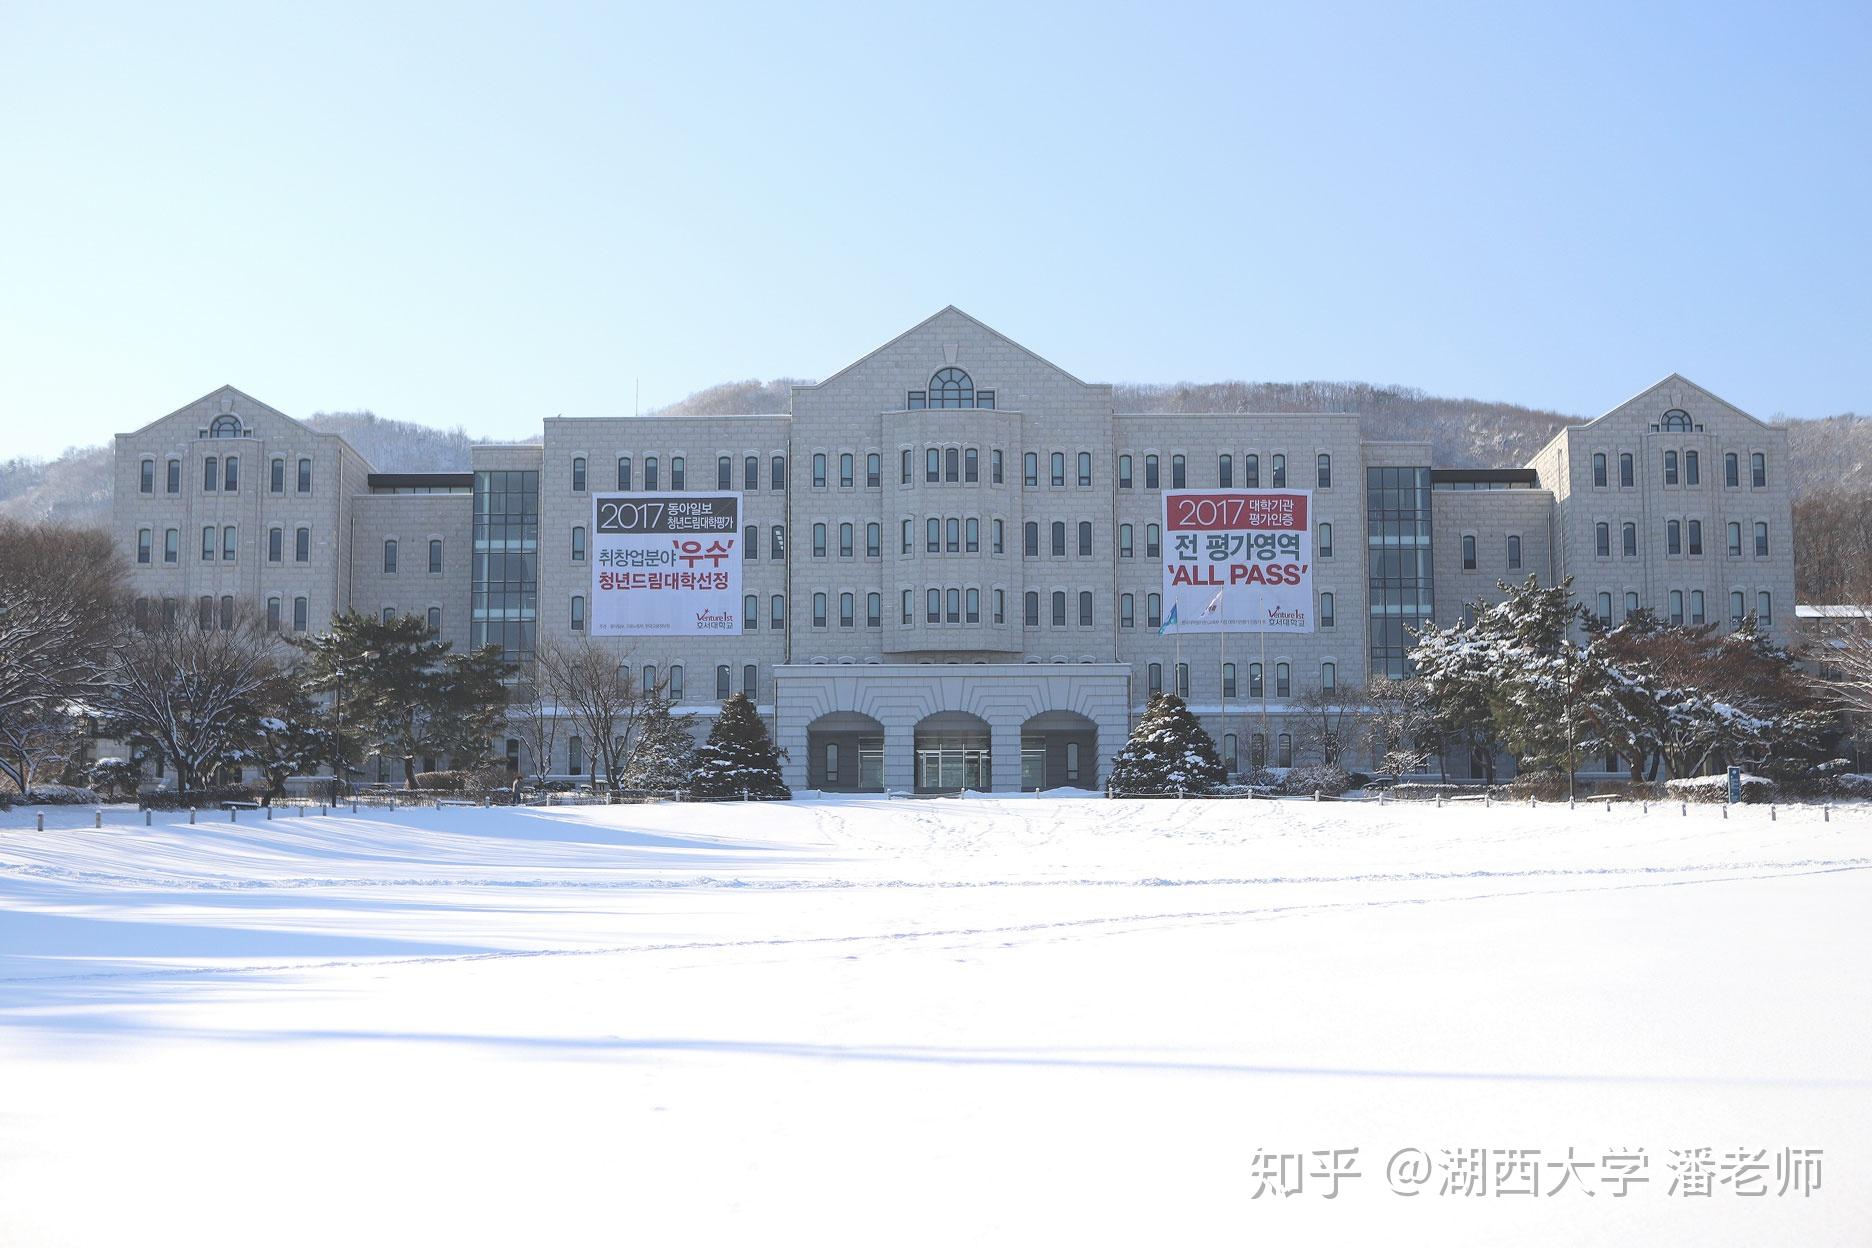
<point>100,818</point>
<point>191,816</point>
<point>354,806</point>
<point>302,812</point>
<point>1439,801</point>
<point>744,793</point>
<point>233,815</point>
<point>1725,812</point>
<point>1771,812</point>
<point>1826,814</point>
<point>1569,803</point>
<point>40,816</point>
<point>1683,808</point>
<point>146,816</point>
<point>393,803</point>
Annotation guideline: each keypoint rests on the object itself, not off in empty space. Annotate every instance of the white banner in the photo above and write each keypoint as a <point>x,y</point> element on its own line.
<point>1238,561</point>
<point>666,565</point>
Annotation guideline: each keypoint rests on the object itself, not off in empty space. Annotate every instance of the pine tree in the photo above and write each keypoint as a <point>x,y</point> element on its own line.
<point>1169,752</point>
<point>739,757</point>
<point>662,754</point>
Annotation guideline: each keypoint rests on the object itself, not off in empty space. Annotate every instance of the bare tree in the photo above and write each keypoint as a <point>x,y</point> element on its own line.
<point>1326,722</point>
<point>190,695</point>
<point>61,610</point>
<point>537,711</point>
<point>1401,725</point>
<point>599,695</point>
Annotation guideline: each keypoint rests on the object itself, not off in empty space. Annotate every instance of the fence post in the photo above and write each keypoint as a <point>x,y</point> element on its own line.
<point>1683,808</point>
<point>1439,801</point>
<point>1569,803</point>
<point>1771,812</point>
<point>393,803</point>
<point>744,793</point>
<point>302,812</point>
<point>269,811</point>
<point>146,816</point>
<point>1826,814</point>
<point>1382,794</point>
<point>354,805</point>
<point>233,815</point>
<point>1725,810</point>
<point>1644,808</point>
<point>1319,795</point>
<point>40,816</point>
<point>100,818</point>
<point>191,816</point>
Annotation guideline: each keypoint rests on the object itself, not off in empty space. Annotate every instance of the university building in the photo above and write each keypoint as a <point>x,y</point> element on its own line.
<point>951,560</point>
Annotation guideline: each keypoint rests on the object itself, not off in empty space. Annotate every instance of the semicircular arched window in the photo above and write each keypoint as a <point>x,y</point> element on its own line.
<point>1676,421</point>
<point>225,427</point>
<point>951,387</point>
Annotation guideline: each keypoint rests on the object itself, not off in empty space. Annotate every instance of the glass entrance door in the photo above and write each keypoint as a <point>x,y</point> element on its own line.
<point>953,763</point>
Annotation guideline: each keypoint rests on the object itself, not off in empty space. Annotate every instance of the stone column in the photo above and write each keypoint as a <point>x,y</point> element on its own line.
<point>899,756</point>
<point>1005,751</point>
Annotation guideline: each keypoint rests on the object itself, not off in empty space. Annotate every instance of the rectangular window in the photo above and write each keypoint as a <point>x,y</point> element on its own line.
<point>779,472</point>
<point>994,465</point>
<point>211,473</point>
<point>305,476</point>
<point>302,546</point>
<point>874,470</point>
<point>651,475</point>
<point>952,459</point>
<point>173,483</point>
<point>146,477</point>
<point>676,473</point>
<point>971,465</point>
<point>845,471</point>
<point>1514,550</point>
<point>145,544</point>
<point>1178,477</point>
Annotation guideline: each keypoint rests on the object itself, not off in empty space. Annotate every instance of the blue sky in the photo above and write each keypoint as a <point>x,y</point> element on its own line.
<point>485,215</point>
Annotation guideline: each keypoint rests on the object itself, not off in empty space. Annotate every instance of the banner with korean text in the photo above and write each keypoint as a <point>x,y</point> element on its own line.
<point>666,565</point>
<point>1237,561</point>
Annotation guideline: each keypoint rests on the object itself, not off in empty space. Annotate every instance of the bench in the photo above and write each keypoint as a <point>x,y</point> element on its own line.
<point>240,805</point>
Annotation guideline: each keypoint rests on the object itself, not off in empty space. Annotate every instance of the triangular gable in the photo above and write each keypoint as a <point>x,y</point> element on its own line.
<point>950,310</point>
<point>1674,380</point>
<point>216,393</point>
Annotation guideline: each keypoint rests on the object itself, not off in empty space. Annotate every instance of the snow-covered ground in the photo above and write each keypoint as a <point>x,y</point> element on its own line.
<point>1013,1021</point>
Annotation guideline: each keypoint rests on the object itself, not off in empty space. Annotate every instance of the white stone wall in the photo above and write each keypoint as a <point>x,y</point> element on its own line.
<point>253,509</point>
<point>1719,429</point>
<point>1490,517</point>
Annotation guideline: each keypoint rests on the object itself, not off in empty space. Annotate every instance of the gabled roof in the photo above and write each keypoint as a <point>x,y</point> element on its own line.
<point>217,393</point>
<point>950,310</point>
<point>1674,379</point>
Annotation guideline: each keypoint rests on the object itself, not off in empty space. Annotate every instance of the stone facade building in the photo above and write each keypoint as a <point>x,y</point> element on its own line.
<point>951,570</point>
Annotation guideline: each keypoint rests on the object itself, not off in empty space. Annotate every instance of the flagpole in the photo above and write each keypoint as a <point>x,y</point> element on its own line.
<point>1222,662</point>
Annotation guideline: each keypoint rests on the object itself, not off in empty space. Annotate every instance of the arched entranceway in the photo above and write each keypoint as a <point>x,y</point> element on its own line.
<point>845,753</point>
<point>1059,749</point>
<point>953,751</point>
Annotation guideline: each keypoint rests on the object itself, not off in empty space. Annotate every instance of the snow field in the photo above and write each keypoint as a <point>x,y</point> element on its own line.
<point>994,1020</point>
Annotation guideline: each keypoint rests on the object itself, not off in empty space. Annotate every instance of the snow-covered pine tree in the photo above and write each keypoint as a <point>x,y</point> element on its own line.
<point>739,757</point>
<point>662,753</point>
<point>1168,752</point>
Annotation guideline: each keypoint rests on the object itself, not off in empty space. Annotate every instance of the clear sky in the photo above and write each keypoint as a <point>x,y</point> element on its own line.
<point>485,215</point>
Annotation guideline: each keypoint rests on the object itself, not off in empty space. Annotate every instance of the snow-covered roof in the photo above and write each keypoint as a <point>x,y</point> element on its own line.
<point>1831,611</point>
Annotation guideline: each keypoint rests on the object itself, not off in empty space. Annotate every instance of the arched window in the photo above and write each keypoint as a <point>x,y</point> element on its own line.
<point>1085,467</point>
<point>1326,609</point>
<point>1605,608</point>
<point>578,613</point>
<point>1758,470</point>
<point>1325,472</point>
<point>1251,471</point>
<point>951,387</point>
<point>1085,538</point>
<point>1676,421</point>
<point>1030,539</point>
<point>389,555</point>
<point>1153,611</point>
<point>1056,464</point>
<point>1329,676</point>
<point>846,608</point>
<point>724,472</point>
<point>1125,532</point>
<point>578,474</point>
<point>1059,607</point>
<point>1602,539</point>
<point>624,472</point>
<point>1030,609</point>
<point>1676,607</point>
<point>1325,540</point>
<point>1599,469</point>
<point>722,681</point>
<point>1059,537</point>
<point>874,610</point>
<point>750,610</point>
<point>1256,688</point>
<point>1629,536</point>
<point>225,427</point>
<point>1085,608</point>
<point>578,548</point>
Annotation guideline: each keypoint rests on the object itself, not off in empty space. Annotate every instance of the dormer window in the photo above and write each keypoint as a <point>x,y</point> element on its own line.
<point>225,427</point>
<point>1676,421</point>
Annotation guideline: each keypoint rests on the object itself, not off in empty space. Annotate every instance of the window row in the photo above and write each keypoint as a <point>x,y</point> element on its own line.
<point>1511,550</point>
<point>652,472</point>
<point>1225,471</point>
<point>1682,468</point>
<point>435,553</point>
<point>1257,686</point>
<point>1681,537</point>
<point>1687,607</point>
<point>941,464</point>
<point>221,474</point>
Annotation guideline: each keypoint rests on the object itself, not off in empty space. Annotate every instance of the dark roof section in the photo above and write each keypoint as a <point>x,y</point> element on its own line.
<point>1519,476</point>
<point>406,480</point>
